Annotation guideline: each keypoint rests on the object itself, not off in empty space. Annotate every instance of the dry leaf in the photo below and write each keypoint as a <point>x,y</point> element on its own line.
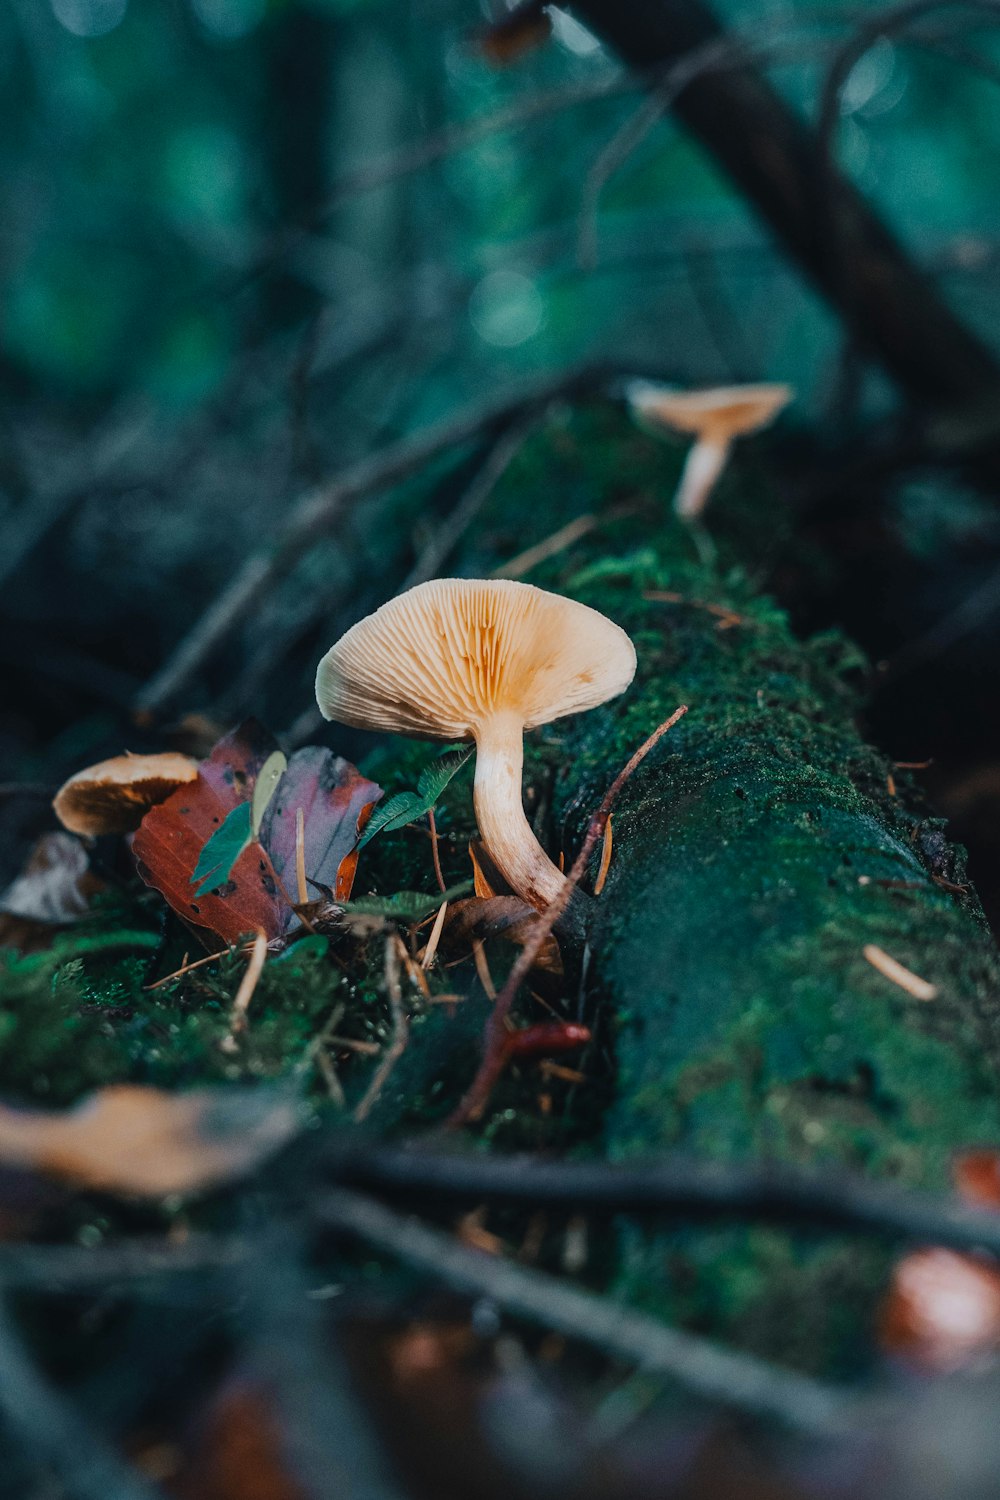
<point>54,889</point>
<point>172,835</point>
<point>143,1142</point>
<point>508,917</point>
<point>942,1309</point>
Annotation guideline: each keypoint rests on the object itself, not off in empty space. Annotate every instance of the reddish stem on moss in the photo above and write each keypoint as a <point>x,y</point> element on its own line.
<point>543,1040</point>
<point>495,1050</point>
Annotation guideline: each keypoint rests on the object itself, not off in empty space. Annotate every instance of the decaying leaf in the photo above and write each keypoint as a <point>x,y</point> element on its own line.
<point>942,1309</point>
<point>145,1143</point>
<point>255,860</point>
<point>56,884</point>
<point>171,837</point>
<point>336,802</point>
<point>478,919</point>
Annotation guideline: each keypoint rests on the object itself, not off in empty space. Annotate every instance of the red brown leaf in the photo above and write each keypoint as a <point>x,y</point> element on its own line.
<point>335,800</point>
<point>171,836</point>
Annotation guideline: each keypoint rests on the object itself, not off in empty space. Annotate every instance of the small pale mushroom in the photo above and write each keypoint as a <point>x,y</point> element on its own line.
<point>115,795</point>
<point>482,660</point>
<point>715,418</point>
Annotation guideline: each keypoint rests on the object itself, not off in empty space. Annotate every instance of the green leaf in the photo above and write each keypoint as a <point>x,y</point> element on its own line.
<point>405,906</point>
<point>223,849</point>
<point>407,807</point>
<point>404,808</point>
<point>435,777</point>
<point>265,786</point>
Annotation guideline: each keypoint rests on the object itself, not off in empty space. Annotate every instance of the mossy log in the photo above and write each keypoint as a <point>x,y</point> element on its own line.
<point>757,854</point>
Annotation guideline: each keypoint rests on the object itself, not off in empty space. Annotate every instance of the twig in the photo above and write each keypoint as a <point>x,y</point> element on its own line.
<point>483,968</point>
<point>430,952</point>
<point>897,974</point>
<point>550,546</point>
<point>400,1031</point>
<point>187,968</point>
<point>318,511</point>
<point>300,857</point>
<point>243,996</point>
<point>477,1096</point>
<point>453,527</point>
<point>416,156</point>
<point>435,852</point>
<point>726,617</point>
<point>671,1186</point>
<point>718,54</point>
<point>59,1268</point>
<point>711,1372</point>
<point>602,873</point>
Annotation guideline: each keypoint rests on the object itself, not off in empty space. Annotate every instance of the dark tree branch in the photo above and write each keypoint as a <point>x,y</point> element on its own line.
<point>891,307</point>
<point>675,1188</point>
<point>320,509</point>
<point>709,1371</point>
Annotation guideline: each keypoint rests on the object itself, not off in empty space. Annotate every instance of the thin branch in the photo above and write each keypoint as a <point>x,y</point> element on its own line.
<point>550,546</point>
<point>495,1052</point>
<point>435,852</point>
<point>59,1268</point>
<point>454,526</point>
<point>675,1187</point>
<point>716,55</point>
<point>709,1371</point>
<point>400,1031</point>
<point>890,306</point>
<point>319,510</point>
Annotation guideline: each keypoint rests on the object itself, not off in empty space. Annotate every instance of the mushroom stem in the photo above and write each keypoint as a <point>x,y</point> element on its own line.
<point>705,462</point>
<point>506,833</point>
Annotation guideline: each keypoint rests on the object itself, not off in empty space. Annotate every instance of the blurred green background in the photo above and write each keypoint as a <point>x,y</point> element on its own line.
<point>230,268</point>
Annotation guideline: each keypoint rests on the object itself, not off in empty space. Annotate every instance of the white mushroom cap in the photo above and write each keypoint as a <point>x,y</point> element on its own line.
<point>444,657</point>
<point>726,410</point>
<point>115,795</point>
<point>468,658</point>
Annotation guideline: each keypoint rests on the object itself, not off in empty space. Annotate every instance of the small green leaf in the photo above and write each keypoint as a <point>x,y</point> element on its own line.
<point>405,906</point>
<point>407,807</point>
<point>223,849</point>
<point>435,777</point>
<point>404,808</point>
<point>268,777</point>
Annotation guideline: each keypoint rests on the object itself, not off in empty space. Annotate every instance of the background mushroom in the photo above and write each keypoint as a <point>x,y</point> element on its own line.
<point>115,795</point>
<point>715,418</point>
<point>459,659</point>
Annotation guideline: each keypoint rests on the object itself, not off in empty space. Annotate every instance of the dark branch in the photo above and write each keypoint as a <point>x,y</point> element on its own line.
<point>891,307</point>
<point>706,1369</point>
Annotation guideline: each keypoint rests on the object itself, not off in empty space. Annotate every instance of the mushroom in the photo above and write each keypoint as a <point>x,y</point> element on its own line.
<point>115,795</point>
<point>715,417</point>
<point>483,660</point>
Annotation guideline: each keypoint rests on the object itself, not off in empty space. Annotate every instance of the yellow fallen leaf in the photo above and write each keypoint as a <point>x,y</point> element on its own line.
<point>144,1142</point>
